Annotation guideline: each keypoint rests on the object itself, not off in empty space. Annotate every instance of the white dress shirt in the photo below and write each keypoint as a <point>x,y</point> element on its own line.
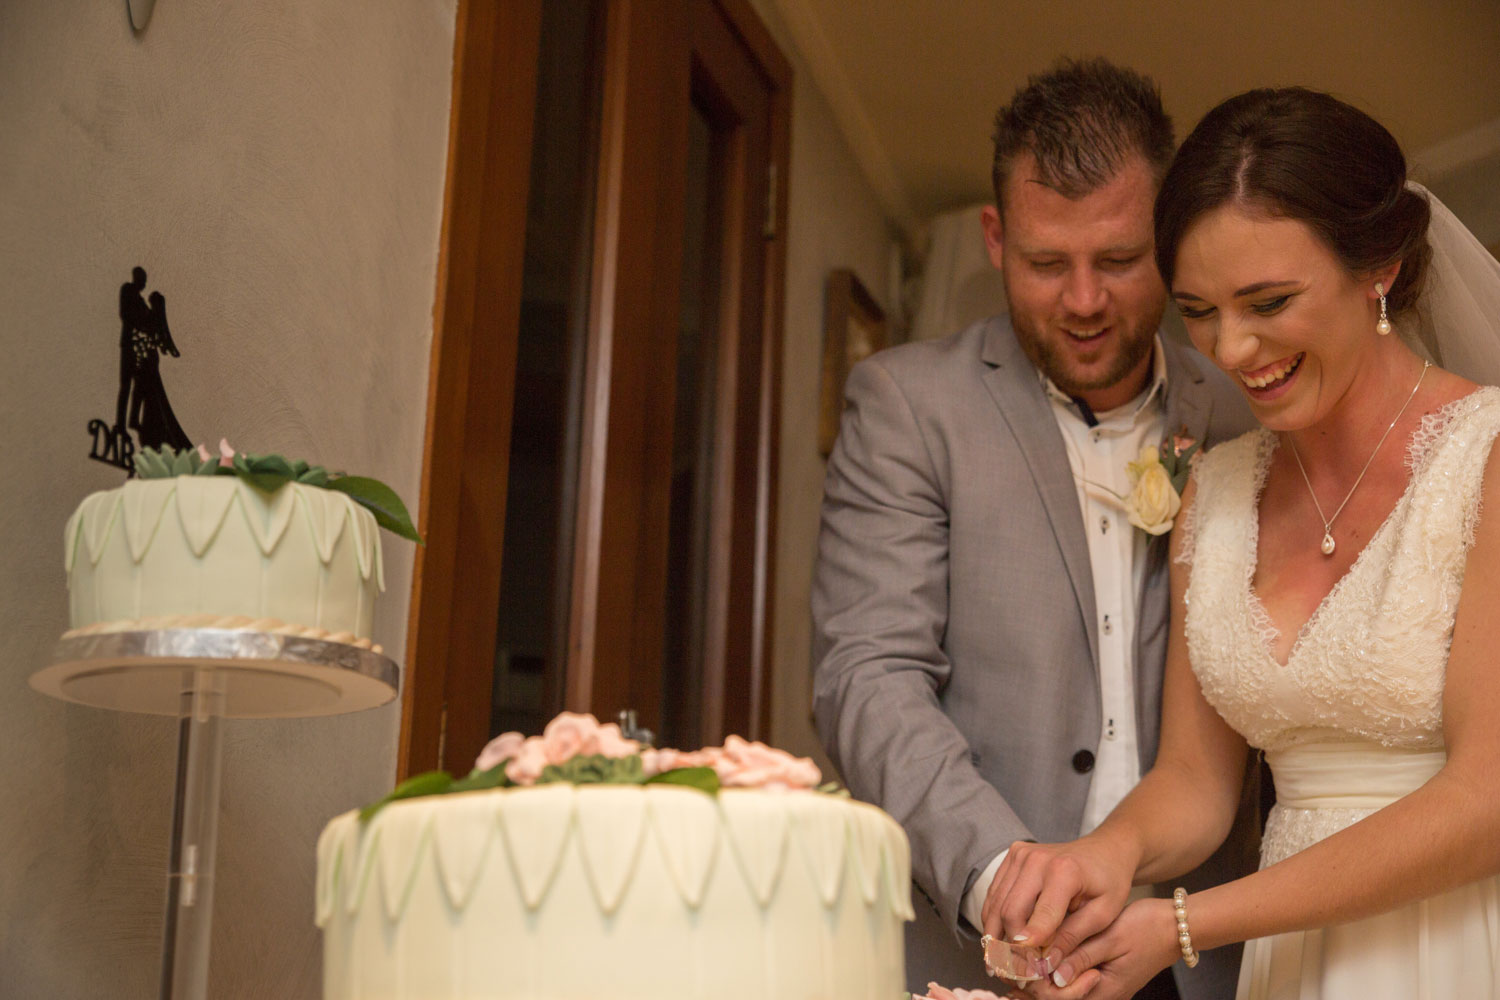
<point>1098,455</point>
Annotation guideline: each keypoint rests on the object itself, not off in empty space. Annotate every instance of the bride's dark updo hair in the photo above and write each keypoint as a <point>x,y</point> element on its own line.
<point>1300,154</point>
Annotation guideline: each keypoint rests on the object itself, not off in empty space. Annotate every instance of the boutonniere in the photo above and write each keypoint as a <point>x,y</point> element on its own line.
<point>1157,479</point>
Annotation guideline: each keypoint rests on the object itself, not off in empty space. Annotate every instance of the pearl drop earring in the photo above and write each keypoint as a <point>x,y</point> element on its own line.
<point>1382,327</point>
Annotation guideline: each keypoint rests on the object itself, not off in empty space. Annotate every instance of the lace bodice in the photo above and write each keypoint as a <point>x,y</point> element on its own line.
<point>1370,662</point>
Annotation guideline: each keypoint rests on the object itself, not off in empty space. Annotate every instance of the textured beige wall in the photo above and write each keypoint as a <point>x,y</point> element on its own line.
<point>834,220</point>
<point>277,167</point>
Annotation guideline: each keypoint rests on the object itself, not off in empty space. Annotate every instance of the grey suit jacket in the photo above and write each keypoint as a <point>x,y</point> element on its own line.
<point>955,633</point>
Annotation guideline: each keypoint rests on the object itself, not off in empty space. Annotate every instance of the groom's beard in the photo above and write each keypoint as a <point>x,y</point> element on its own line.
<point>1132,338</point>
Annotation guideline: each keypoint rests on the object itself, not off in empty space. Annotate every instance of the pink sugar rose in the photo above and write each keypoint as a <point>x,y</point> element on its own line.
<point>226,453</point>
<point>502,747</point>
<point>569,735</point>
<point>527,764</point>
<point>613,744</point>
<point>203,455</point>
<point>657,761</point>
<point>746,764</point>
<point>936,992</point>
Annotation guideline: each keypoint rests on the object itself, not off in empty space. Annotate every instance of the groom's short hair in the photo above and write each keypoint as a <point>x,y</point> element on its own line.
<point>1082,120</point>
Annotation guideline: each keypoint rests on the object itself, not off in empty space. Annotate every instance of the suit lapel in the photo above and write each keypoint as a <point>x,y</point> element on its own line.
<point>1189,400</point>
<point>1189,405</point>
<point>1016,389</point>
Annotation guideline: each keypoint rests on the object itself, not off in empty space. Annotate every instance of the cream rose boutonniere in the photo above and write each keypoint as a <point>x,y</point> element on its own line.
<point>1157,479</point>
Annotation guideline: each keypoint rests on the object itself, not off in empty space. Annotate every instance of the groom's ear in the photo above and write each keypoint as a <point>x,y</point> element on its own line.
<point>994,234</point>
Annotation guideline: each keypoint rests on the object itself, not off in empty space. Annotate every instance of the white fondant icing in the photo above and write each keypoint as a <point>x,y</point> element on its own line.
<point>615,891</point>
<point>610,823</point>
<point>215,545</point>
<point>759,838</point>
<point>537,823</point>
<point>867,842</point>
<point>688,834</point>
<point>399,843</point>
<point>822,834</point>
<point>463,843</point>
<point>142,508</point>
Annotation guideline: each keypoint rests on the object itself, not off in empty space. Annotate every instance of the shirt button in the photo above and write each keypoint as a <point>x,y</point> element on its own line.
<point>1083,761</point>
<point>1109,730</point>
<point>1103,525</point>
<point>1096,434</point>
<point>1109,627</point>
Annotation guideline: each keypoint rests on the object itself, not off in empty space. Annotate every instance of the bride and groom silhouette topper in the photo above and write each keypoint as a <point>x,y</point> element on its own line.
<point>141,404</point>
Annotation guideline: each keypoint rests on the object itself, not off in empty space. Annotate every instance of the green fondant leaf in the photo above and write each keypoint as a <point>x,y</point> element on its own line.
<point>705,779</point>
<point>478,780</point>
<point>185,462</point>
<point>315,476</point>
<point>380,500</point>
<point>418,785</point>
<point>211,468</point>
<point>265,472</point>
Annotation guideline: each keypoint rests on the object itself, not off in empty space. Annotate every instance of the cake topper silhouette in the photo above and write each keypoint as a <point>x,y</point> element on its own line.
<point>141,405</point>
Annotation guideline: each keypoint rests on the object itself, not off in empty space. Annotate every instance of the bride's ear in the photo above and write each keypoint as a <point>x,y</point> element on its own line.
<point>1385,277</point>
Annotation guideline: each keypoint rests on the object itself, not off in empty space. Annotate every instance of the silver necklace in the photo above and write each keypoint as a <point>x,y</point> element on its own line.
<point>1328,543</point>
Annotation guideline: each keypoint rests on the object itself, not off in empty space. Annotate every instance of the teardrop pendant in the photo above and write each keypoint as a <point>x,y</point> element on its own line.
<point>1327,544</point>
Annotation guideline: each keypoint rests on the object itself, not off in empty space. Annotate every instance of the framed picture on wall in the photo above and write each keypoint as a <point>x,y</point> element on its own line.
<point>854,328</point>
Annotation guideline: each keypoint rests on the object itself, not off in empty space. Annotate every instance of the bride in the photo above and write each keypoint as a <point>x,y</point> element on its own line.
<point>1335,583</point>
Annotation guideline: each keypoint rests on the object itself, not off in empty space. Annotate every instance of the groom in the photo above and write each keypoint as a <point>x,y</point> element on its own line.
<point>990,629</point>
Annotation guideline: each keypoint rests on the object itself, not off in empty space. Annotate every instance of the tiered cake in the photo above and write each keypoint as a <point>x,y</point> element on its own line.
<point>633,892</point>
<point>215,551</point>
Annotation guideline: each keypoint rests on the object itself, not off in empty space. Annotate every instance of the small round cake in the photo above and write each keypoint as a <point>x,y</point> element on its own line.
<point>217,552</point>
<point>632,890</point>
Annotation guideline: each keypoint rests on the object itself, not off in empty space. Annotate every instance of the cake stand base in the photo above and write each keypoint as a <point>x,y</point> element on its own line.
<point>204,676</point>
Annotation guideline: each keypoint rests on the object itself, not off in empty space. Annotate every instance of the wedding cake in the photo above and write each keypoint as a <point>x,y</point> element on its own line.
<point>631,887</point>
<point>227,542</point>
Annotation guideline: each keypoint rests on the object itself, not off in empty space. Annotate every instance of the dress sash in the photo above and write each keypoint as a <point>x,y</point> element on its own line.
<point>1355,775</point>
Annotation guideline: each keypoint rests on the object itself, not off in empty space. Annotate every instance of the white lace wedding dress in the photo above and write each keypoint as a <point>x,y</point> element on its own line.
<point>1353,720</point>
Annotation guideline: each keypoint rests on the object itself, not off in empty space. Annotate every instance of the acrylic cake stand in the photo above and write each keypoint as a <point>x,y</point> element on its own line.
<point>202,676</point>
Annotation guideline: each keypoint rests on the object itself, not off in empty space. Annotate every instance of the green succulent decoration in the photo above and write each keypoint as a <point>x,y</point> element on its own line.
<point>270,473</point>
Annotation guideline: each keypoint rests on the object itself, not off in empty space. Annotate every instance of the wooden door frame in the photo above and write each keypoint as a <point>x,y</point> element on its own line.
<point>471,386</point>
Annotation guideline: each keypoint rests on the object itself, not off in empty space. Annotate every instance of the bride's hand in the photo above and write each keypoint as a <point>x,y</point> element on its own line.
<point>1056,895</point>
<point>1133,949</point>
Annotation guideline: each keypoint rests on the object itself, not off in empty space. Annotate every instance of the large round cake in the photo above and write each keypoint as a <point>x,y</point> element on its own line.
<point>632,892</point>
<point>215,551</point>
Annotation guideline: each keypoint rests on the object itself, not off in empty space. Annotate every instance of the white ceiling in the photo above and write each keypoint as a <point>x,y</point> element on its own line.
<point>915,83</point>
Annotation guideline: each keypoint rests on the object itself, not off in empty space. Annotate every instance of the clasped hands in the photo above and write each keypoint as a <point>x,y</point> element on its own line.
<point>1068,901</point>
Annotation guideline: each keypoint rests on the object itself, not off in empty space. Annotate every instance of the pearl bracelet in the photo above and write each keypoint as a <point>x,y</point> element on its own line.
<point>1184,939</point>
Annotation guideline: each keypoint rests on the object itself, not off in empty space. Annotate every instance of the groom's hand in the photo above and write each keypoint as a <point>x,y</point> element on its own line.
<point>1056,895</point>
